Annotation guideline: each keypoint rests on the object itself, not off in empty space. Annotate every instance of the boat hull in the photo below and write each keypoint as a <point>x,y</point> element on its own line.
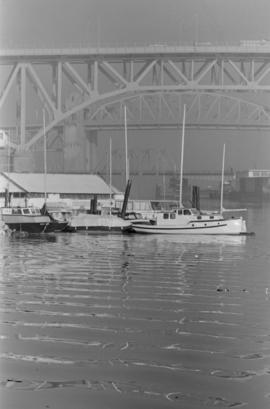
<point>55,226</point>
<point>97,223</point>
<point>30,220</point>
<point>27,226</point>
<point>227,227</point>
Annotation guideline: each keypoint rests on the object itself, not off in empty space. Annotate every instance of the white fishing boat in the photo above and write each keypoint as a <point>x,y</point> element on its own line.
<point>189,220</point>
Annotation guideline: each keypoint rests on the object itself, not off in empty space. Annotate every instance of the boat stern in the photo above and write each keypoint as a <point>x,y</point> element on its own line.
<point>243,225</point>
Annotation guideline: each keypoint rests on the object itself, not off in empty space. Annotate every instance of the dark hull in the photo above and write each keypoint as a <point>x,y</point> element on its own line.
<point>28,227</point>
<point>55,226</point>
<point>37,228</point>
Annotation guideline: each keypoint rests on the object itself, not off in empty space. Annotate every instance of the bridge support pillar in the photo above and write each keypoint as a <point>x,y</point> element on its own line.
<point>74,148</point>
<point>22,161</point>
<point>91,151</point>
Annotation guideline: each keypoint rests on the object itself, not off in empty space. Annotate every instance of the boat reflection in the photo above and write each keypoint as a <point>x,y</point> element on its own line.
<point>197,239</point>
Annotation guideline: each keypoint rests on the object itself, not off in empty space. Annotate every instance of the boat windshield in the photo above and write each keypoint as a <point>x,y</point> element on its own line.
<point>17,210</point>
<point>184,211</point>
<point>35,211</point>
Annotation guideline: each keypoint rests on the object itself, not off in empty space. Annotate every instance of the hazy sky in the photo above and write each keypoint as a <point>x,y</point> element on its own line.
<point>63,23</point>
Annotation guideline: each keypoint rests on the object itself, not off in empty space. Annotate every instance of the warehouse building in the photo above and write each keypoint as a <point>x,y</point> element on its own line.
<point>73,190</point>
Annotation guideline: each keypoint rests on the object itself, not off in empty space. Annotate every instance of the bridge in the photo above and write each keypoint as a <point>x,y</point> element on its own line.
<point>44,89</point>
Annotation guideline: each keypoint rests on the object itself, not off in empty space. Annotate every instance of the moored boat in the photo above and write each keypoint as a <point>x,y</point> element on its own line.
<point>59,221</point>
<point>185,220</point>
<point>25,219</point>
<point>97,223</point>
<point>191,221</point>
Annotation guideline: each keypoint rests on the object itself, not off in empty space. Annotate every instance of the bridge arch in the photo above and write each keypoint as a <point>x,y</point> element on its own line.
<point>155,78</point>
<point>150,108</point>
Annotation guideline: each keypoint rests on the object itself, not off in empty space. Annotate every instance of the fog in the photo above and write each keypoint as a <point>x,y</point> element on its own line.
<point>119,22</point>
<point>65,23</point>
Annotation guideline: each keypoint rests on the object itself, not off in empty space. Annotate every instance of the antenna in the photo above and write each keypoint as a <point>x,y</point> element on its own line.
<point>182,158</point>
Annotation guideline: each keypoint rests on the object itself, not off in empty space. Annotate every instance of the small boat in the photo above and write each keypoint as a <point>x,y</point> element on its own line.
<point>93,222</point>
<point>58,221</point>
<point>102,223</point>
<point>191,221</point>
<point>135,218</point>
<point>25,219</point>
<point>97,223</point>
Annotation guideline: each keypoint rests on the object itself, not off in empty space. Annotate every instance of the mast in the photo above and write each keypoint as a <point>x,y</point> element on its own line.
<point>126,147</point>
<point>45,158</point>
<point>182,158</point>
<point>110,172</point>
<point>222,180</point>
<point>8,170</point>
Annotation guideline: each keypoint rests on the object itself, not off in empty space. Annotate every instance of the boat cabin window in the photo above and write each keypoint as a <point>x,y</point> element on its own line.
<point>187,211</point>
<point>180,212</point>
<point>25,211</point>
<point>165,215</point>
<point>17,211</point>
<point>172,216</point>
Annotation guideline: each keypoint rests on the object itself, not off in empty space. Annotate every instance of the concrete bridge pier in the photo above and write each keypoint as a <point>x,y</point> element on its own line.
<point>91,137</point>
<point>74,158</point>
<point>21,161</point>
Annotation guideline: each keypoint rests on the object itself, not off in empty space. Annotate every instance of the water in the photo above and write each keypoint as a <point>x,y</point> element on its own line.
<point>116,321</point>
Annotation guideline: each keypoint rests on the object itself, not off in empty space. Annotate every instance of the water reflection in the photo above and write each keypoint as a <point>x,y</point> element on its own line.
<point>195,239</point>
<point>144,318</point>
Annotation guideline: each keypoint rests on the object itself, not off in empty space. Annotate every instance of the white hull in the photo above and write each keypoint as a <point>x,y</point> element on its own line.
<point>92,222</point>
<point>224,227</point>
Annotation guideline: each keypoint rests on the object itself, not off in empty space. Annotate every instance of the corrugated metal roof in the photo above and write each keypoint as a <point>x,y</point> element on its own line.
<point>60,183</point>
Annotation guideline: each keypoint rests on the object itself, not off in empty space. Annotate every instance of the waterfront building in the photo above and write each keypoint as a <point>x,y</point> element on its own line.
<point>73,190</point>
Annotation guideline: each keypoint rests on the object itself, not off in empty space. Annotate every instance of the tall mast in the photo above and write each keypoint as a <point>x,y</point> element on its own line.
<point>45,158</point>
<point>222,180</point>
<point>8,169</point>
<point>110,172</point>
<point>126,147</point>
<point>182,158</point>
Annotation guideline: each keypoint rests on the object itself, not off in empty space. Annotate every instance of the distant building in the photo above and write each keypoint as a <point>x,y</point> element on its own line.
<point>253,183</point>
<point>75,190</point>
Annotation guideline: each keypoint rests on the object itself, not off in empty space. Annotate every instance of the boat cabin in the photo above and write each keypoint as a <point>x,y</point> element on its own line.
<point>187,212</point>
<point>24,211</point>
<point>184,215</point>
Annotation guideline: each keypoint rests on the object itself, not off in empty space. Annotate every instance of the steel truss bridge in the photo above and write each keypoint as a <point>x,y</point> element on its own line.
<point>215,83</point>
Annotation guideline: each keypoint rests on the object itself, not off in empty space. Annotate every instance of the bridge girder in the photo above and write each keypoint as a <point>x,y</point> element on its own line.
<point>152,82</point>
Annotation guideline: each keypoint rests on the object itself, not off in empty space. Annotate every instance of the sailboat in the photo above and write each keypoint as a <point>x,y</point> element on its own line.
<point>184,220</point>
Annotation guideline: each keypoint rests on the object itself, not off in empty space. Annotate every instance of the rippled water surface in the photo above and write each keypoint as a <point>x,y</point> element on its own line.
<point>112,321</point>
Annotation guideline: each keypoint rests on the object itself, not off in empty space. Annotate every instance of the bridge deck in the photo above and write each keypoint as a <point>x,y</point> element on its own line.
<point>254,49</point>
